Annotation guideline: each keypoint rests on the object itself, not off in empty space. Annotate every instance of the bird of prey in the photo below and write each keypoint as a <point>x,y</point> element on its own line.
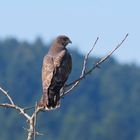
<point>57,65</point>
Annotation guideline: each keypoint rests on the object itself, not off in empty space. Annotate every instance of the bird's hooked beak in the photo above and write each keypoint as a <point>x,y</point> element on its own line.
<point>70,41</point>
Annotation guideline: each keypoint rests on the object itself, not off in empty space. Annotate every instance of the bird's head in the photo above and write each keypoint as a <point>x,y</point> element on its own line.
<point>63,40</point>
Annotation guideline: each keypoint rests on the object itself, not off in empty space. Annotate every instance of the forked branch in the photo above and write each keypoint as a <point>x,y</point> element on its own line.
<point>76,82</point>
<point>31,119</point>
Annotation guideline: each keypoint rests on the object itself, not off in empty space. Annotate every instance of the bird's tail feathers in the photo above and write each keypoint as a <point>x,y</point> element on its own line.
<point>49,101</point>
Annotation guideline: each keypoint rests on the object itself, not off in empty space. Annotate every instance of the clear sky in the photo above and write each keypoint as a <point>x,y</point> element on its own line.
<point>81,20</point>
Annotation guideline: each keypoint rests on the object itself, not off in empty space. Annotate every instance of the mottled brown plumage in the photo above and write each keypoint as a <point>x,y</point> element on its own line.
<point>57,65</point>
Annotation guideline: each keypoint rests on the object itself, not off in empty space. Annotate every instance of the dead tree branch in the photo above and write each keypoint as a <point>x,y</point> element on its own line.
<point>7,95</point>
<point>32,119</point>
<point>76,82</point>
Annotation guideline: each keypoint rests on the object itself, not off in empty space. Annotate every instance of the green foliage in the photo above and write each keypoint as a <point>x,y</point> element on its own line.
<point>104,107</point>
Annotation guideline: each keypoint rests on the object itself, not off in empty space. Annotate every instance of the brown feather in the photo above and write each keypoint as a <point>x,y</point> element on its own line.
<point>57,65</point>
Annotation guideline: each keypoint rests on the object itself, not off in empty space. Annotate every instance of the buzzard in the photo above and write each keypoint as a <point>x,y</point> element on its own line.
<point>57,65</point>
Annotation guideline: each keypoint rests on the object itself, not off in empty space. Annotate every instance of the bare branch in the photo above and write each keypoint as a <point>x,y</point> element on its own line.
<point>32,123</point>
<point>19,109</point>
<point>29,108</point>
<point>6,105</point>
<point>64,90</point>
<point>96,65</point>
<point>7,95</point>
<point>37,133</point>
<point>12,105</point>
<point>87,56</point>
<point>32,119</point>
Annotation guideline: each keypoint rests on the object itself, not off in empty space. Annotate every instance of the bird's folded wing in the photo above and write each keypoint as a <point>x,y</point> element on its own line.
<point>62,64</point>
<point>59,58</point>
<point>47,71</point>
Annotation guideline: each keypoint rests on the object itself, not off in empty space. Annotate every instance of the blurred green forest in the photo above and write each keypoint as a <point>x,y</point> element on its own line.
<point>106,105</point>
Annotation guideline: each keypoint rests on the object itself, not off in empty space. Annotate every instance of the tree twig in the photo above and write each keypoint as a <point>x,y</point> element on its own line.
<point>7,95</point>
<point>75,83</point>
<point>32,119</point>
<point>87,56</point>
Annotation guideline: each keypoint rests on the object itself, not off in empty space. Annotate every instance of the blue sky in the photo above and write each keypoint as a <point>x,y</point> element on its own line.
<point>81,20</point>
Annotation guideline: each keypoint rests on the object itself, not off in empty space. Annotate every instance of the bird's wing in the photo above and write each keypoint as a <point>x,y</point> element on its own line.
<point>49,69</point>
<point>47,72</point>
<point>59,58</point>
<point>55,71</point>
<point>63,65</point>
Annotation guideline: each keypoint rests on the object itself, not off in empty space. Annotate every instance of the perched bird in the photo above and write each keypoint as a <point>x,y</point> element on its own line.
<point>57,65</point>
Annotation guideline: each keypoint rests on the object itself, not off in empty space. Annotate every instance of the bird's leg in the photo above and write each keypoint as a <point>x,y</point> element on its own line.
<point>44,100</point>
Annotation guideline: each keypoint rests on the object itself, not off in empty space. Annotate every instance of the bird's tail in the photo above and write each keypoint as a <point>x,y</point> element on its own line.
<point>49,101</point>
<point>53,100</point>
